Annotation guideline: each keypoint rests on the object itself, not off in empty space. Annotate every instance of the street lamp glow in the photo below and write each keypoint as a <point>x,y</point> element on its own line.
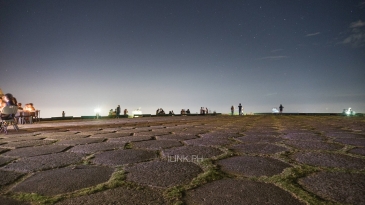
<point>97,110</point>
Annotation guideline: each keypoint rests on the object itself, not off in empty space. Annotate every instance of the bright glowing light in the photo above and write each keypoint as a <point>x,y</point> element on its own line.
<point>349,112</point>
<point>97,110</point>
<point>137,112</point>
<point>275,110</point>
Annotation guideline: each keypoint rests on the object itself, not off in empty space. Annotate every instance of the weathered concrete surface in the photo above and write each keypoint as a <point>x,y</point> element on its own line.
<point>258,139</point>
<point>63,180</point>
<point>329,160</point>
<point>34,151</point>
<point>211,160</point>
<point>162,173</point>
<point>110,135</point>
<point>43,162</point>
<point>97,147</point>
<point>352,141</point>
<point>209,141</point>
<point>129,139</point>
<point>358,150</point>
<point>119,196</point>
<point>26,143</point>
<point>180,137</point>
<point>156,144</point>
<point>4,160</point>
<point>259,148</point>
<point>121,157</point>
<point>7,177</point>
<point>348,188</point>
<point>9,201</point>
<point>252,166</point>
<point>80,141</point>
<point>199,151</point>
<point>303,137</point>
<point>231,191</point>
<point>313,145</point>
<point>221,135</point>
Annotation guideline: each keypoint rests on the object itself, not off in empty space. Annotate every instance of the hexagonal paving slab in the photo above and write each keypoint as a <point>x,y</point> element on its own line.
<point>156,144</point>
<point>129,139</point>
<point>343,135</point>
<point>80,141</point>
<point>4,160</point>
<point>69,179</point>
<point>110,135</point>
<point>259,139</point>
<point>346,188</point>
<point>313,145</point>
<point>43,162</point>
<point>232,191</point>
<point>329,160</point>
<point>351,141</point>
<point>65,136</point>
<point>120,157</point>
<point>303,137</point>
<point>221,135</point>
<point>29,143</point>
<point>34,151</point>
<point>252,166</point>
<point>180,137</point>
<point>119,196</point>
<point>358,150</point>
<point>97,147</point>
<point>209,141</point>
<point>3,150</point>
<point>9,201</point>
<point>259,148</point>
<point>200,152</point>
<point>162,173</point>
<point>7,177</point>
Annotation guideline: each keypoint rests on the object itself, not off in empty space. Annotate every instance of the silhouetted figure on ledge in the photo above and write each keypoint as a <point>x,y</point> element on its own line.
<point>117,111</point>
<point>187,111</point>
<point>281,108</point>
<point>240,109</point>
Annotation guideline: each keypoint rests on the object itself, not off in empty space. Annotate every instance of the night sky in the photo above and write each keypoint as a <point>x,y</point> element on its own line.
<point>76,55</point>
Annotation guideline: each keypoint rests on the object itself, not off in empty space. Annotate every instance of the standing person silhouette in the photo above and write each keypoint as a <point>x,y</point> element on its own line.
<point>232,110</point>
<point>281,108</point>
<point>117,111</point>
<point>240,109</point>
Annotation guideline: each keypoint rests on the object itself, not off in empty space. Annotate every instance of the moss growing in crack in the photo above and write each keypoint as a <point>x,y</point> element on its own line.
<point>35,198</point>
<point>128,146</point>
<point>288,180</point>
<point>174,194</point>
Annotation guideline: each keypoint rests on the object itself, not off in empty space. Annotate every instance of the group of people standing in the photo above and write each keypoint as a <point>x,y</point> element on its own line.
<point>117,112</point>
<point>184,112</point>
<point>203,110</point>
<point>239,109</point>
